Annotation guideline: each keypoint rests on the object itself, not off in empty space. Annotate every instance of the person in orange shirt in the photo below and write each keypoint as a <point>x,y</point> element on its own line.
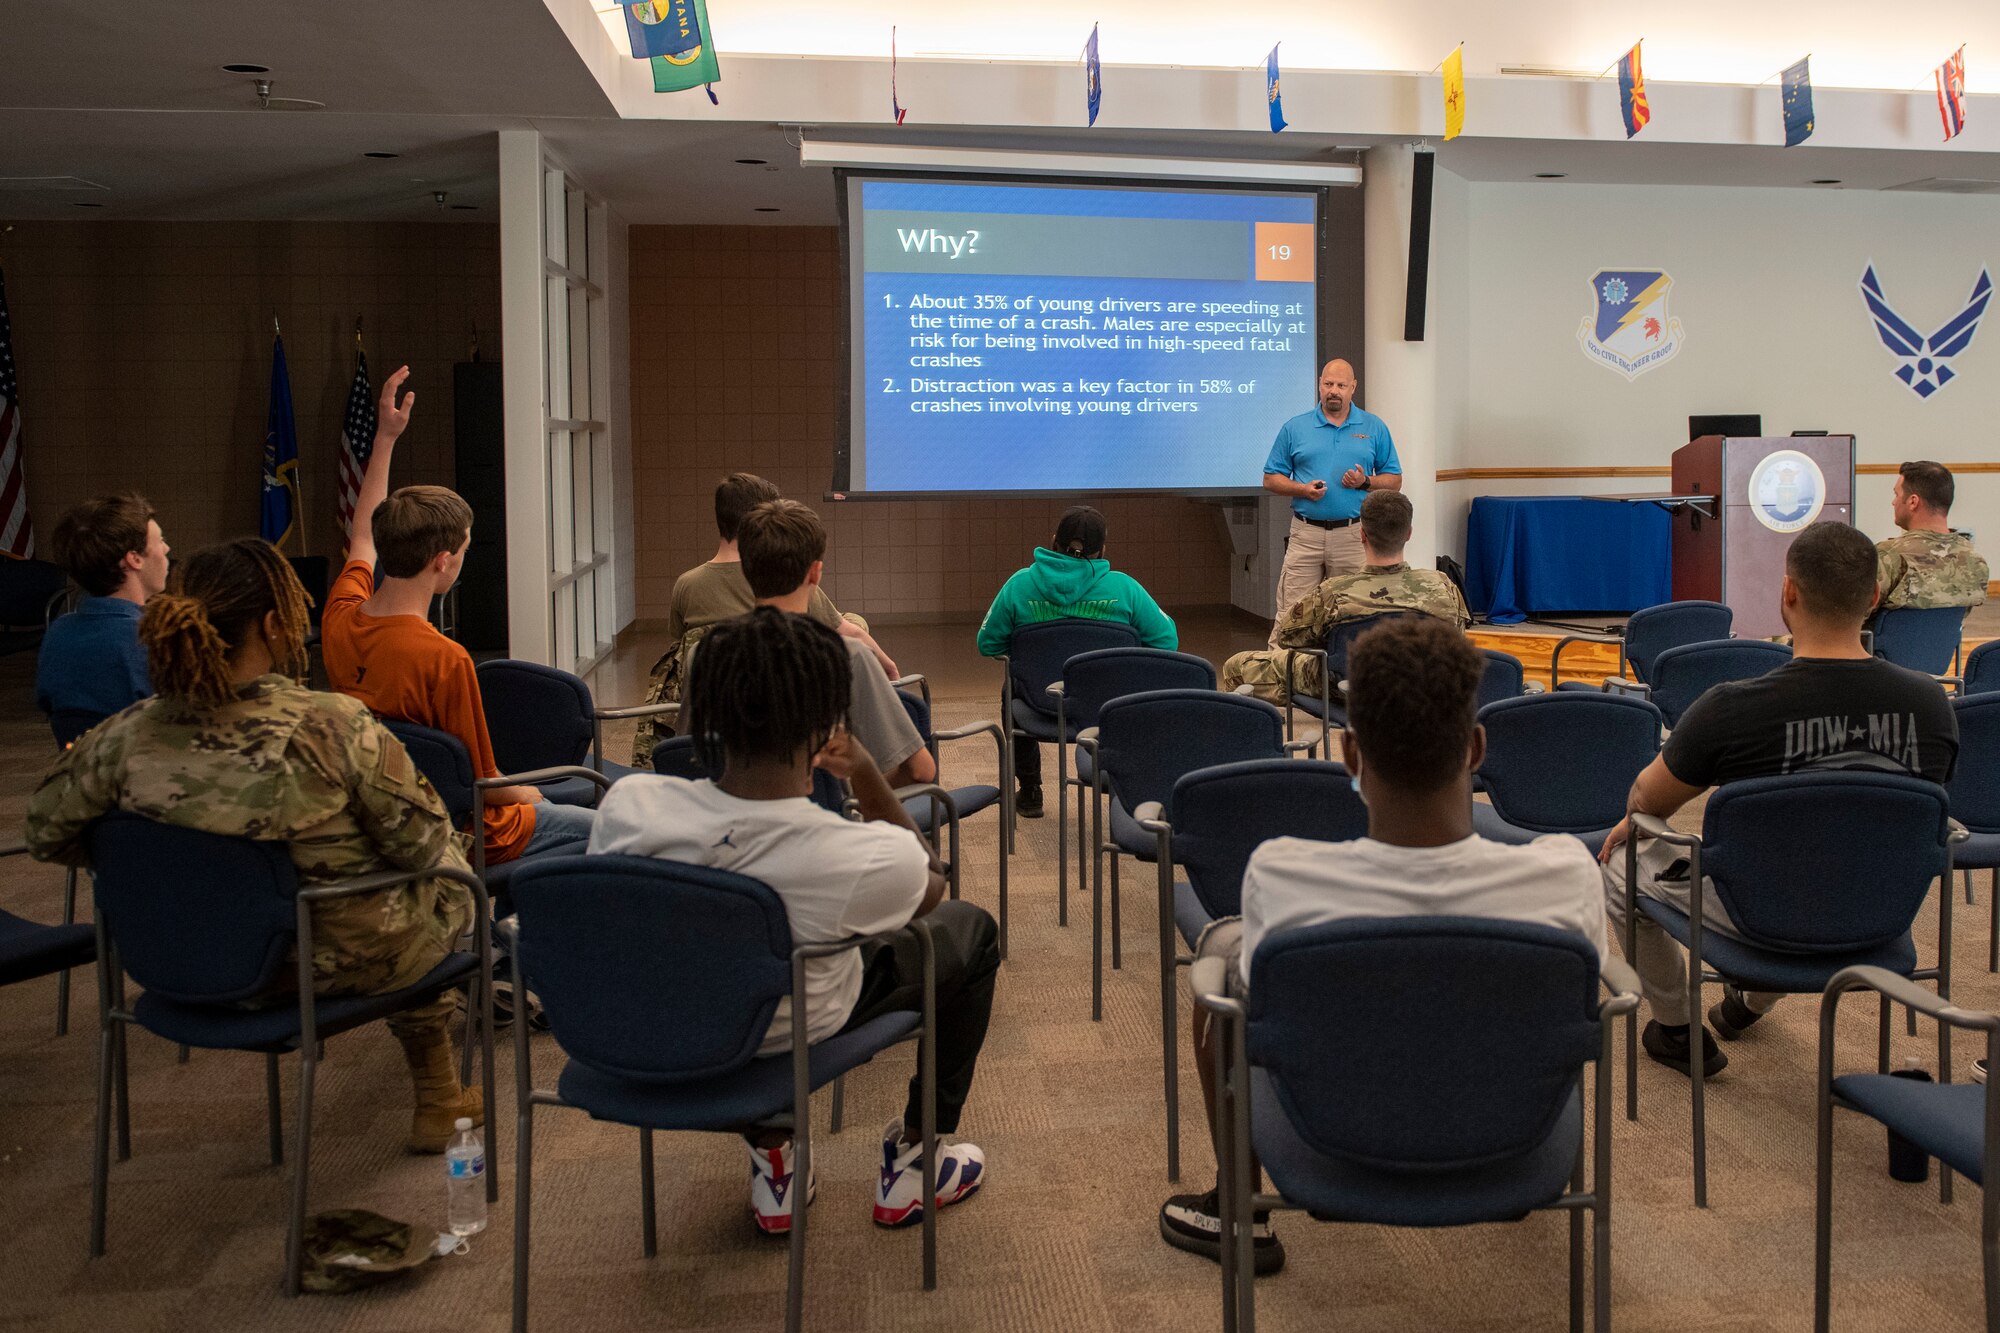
<point>380,646</point>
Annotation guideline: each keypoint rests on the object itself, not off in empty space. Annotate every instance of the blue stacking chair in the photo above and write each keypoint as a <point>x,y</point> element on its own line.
<point>1681,675</point>
<point>1649,632</point>
<point>207,924</point>
<point>1982,670</point>
<point>1923,639</point>
<point>1562,763</point>
<point>1222,815</point>
<point>1034,661</point>
<point>1503,678</point>
<point>1091,680</point>
<point>443,759</point>
<point>1816,872</point>
<point>660,981</point>
<point>1957,1123</point>
<point>1329,706</point>
<point>1416,1071</point>
<point>539,717</point>
<point>69,724</point>
<point>935,807</point>
<point>1975,800</point>
<point>29,949</point>
<point>1142,745</point>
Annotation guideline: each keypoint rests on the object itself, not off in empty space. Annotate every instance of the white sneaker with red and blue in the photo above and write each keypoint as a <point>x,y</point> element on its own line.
<point>899,1194</point>
<point>771,1183</point>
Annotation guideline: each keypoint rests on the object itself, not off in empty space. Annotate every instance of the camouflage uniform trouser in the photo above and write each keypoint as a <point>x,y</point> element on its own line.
<point>1264,672</point>
<point>386,941</point>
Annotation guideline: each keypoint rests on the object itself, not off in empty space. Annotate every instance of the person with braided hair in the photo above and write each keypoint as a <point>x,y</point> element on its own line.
<point>767,693</point>
<point>234,744</point>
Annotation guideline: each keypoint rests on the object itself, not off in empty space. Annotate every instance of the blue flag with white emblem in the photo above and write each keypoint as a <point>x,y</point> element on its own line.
<point>1093,76</point>
<point>1271,94</point>
<point>1798,104</point>
<point>280,521</point>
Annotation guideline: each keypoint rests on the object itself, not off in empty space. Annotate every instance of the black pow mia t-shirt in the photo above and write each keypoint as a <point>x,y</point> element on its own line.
<point>1816,714</point>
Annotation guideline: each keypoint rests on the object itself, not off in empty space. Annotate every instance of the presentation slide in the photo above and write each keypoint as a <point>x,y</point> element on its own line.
<point>1037,337</point>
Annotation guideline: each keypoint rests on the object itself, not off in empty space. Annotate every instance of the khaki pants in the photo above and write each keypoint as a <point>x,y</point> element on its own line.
<point>1313,555</point>
<point>1657,957</point>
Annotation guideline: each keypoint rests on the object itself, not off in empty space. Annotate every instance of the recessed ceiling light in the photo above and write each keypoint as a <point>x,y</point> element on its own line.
<point>382,155</point>
<point>750,161</point>
<point>766,210</point>
<point>463,208</point>
<point>1550,175</point>
<point>246,69</point>
<point>78,203</point>
<point>1826,180</point>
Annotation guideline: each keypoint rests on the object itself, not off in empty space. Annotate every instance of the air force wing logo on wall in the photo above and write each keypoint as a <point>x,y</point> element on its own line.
<point>1925,363</point>
<point>1629,330</point>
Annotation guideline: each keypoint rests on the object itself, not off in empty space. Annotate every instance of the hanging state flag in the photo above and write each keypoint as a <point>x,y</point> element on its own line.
<point>357,440</point>
<point>1454,93</point>
<point>280,522</point>
<point>1632,92</point>
<point>1798,104</point>
<point>17,532</point>
<point>678,43</point>
<point>1951,94</point>
<point>1093,76</point>
<point>1271,93</point>
<point>894,105</point>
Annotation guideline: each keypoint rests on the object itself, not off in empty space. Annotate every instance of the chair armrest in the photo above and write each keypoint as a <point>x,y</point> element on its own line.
<point>914,678</point>
<point>1623,983</point>
<point>507,934</point>
<point>1555,655</point>
<point>1620,685</point>
<point>1294,747</point>
<point>1906,992</point>
<point>1054,689</point>
<point>389,879</point>
<point>930,789</point>
<point>1147,817</point>
<point>969,729</point>
<point>636,710</point>
<point>533,776</point>
<point>1957,833</point>
<point>828,948</point>
<point>1210,979</point>
<point>1652,826</point>
<point>1087,736</point>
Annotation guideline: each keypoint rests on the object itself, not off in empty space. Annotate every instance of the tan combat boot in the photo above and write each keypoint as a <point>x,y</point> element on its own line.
<point>440,1099</point>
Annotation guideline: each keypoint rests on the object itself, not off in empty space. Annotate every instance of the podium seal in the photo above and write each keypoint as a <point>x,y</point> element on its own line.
<point>1787,491</point>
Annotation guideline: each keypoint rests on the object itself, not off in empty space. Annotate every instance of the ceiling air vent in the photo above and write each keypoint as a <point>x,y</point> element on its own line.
<point>1948,185</point>
<point>45,184</point>
<point>1548,72</point>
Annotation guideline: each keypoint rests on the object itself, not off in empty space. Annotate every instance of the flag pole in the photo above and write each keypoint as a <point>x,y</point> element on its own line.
<point>1447,55</point>
<point>1614,64</point>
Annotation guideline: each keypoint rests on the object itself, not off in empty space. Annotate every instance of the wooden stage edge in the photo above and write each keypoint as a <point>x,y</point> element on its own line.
<point>1588,662</point>
<point>1519,473</point>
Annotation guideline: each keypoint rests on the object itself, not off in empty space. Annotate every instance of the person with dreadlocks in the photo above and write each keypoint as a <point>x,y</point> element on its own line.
<point>234,744</point>
<point>767,693</point>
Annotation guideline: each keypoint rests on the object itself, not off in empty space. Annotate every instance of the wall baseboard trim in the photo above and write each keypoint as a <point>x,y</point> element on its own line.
<point>1521,473</point>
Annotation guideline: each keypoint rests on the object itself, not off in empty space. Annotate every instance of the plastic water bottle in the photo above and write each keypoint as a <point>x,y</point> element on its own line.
<point>1908,1162</point>
<point>465,1178</point>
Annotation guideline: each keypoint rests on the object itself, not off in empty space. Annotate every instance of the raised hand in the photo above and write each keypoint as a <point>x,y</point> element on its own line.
<point>391,418</point>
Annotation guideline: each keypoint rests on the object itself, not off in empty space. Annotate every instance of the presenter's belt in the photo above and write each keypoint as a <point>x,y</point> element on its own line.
<point>1328,523</point>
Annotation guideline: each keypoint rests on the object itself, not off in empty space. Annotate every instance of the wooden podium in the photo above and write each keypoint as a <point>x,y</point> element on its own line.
<point>1765,491</point>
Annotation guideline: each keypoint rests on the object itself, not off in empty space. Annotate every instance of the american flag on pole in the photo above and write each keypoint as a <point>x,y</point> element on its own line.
<point>17,532</point>
<point>357,441</point>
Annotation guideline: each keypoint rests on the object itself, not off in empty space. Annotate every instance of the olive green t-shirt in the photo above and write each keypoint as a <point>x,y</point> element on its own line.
<point>717,591</point>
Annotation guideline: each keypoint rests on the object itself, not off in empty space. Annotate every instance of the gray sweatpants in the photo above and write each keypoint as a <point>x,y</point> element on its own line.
<point>1658,958</point>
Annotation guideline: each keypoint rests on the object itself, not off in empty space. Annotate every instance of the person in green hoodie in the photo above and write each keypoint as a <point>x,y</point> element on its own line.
<point>1070,579</point>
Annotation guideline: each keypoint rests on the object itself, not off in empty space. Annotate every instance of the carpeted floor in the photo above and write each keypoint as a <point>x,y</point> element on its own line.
<point>1069,1112</point>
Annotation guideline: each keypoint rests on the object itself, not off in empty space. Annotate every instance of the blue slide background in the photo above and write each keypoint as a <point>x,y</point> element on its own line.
<point>1222,446</point>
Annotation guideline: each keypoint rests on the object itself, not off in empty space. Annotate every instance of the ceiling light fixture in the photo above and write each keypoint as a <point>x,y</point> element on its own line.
<point>246,69</point>
<point>899,156</point>
<point>1550,175</point>
<point>79,203</point>
<point>382,155</point>
<point>1826,180</point>
<point>463,208</point>
<point>750,161</point>
<point>765,210</point>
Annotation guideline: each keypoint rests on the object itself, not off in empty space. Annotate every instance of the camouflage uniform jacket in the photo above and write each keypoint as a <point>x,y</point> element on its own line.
<point>1927,569</point>
<point>279,763</point>
<point>1347,597</point>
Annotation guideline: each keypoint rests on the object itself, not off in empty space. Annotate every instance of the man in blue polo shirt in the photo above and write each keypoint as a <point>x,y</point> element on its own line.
<point>91,660</point>
<point>1327,460</point>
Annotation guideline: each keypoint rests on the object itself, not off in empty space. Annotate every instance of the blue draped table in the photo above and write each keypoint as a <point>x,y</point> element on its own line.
<point>1528,554</point>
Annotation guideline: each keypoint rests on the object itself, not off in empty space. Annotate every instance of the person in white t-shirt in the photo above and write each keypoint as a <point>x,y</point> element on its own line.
<point>771,690</point>
<point>1412,744</point>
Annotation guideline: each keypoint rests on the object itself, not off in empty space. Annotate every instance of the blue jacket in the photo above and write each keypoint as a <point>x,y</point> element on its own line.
<point>91,660</point>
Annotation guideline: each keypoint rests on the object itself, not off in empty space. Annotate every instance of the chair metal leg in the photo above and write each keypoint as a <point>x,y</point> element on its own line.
<point>1576,1250</point>
<point>69,918</point>
<point>1631,952</point>
<point>1005,817</point>
<point>1117,926</point>
<point>1882,1041</point>
<point>1062,835</point>
<point>1823,1208</point>
<point>523,1192</point>
<point>1097,937</point>
<point>648,1230</point>
<point>1968,887</point>
<point>301,1168</point>
<point>1085,847</point>
<point>1225,1169</point>
<point>1246,1188</point>
<point>185,1054</point>
<point>1600,1187</point>
<point>100,1146</point>
<point>1993,935</point>
<point>1912,1016</point>
<point>839,1102</point>
<point>927,1092</point>
<point>1697,1063</point>
<point>124,1090</point>
<point>274,1109</point>
<point>1169,994</point>
<point>795,1290</point>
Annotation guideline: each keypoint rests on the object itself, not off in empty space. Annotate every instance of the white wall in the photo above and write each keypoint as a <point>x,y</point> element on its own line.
<point>1765,286</point>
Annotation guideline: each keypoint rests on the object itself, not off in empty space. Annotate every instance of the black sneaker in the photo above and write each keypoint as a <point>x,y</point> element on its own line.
<point>1732,1016</point>
<point>1028,802</point>
<point>1193,1222</point>
<point>1673,1049</point>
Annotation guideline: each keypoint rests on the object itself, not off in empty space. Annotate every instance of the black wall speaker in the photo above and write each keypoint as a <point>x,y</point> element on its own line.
<point>1423,168</point>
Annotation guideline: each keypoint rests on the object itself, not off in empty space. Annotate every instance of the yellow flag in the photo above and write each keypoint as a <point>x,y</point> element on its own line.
<point>1454,93</point>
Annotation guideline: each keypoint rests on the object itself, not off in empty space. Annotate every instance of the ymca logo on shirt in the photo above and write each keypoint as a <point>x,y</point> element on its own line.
<point>1882,741</point>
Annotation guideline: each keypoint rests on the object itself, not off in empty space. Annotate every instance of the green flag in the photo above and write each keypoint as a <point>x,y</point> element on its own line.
<point>691,62</point>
